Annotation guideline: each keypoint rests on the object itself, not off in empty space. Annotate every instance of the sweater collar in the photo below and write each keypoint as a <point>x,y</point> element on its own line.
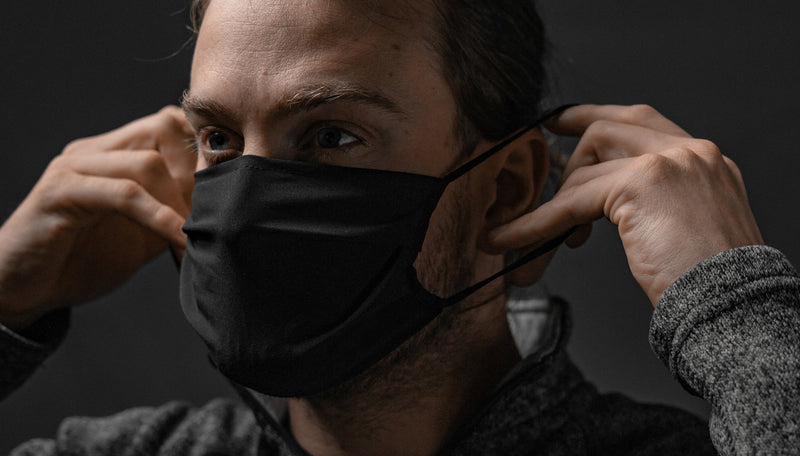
<point>544,370</point>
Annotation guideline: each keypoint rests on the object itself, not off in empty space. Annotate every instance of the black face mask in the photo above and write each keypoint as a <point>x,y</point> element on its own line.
<point>298,276</point>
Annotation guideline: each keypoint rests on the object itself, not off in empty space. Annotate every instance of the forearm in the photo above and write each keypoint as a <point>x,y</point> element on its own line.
<point>729,330</point>
<point>22,353</point>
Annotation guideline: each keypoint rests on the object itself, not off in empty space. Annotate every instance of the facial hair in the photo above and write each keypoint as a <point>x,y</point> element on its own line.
<point>425,360</point>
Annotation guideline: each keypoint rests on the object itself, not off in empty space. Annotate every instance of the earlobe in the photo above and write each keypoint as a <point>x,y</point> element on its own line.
<point>518,182</point>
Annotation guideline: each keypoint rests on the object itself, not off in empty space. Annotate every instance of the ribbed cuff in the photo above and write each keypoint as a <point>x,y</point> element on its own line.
<point>708,290</point>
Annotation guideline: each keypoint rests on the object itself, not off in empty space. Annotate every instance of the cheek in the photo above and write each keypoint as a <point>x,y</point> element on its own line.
<point>446,261</point>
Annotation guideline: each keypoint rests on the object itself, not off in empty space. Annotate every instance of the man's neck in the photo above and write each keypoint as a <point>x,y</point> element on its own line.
<point>412,417</point>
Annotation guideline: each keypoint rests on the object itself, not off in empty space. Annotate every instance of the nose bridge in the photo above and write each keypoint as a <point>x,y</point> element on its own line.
<point>253,145</point>
<point>269,137</point>
<point>262,141</point>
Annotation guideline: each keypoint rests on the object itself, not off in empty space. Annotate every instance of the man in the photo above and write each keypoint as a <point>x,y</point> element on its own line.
<point>369,86</point>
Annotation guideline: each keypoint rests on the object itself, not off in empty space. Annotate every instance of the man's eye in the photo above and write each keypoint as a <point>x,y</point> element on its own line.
<point>217,145</point>
<point>332,137</point>
<point>218,141</point>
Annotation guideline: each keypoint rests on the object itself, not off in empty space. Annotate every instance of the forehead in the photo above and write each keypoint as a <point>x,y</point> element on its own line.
<point>279,42</point>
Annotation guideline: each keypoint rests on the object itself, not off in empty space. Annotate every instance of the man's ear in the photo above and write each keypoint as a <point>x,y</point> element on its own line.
<point>519,180</point>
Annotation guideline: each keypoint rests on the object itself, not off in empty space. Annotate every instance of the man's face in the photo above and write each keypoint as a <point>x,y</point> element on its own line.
<point>333,82</point>
<point>315,80</point>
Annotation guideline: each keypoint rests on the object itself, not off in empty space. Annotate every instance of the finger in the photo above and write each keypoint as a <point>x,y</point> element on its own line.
<point>146,167</point>
<point>575,206</point>
<point>530,273</point>
<point>580,236</point>
<point>128,198</point>
<point>178,149</point>
<point>586,173</point>
<point>606,140</point>
<point>145,133</point>
<point>576,120</point>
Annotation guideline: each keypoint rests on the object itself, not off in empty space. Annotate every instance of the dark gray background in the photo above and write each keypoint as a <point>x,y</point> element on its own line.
<point>71,69</point>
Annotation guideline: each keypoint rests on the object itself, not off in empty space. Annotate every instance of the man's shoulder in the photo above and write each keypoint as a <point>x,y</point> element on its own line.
<point>616,421</point>
<point>552,409</point>
<point>547,406</point>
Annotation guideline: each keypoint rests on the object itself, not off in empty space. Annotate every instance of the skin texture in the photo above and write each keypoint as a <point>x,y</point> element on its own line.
<point>273,52</point>
<point>102,209</point>
<point>675,199</point>
<point>267,78</point>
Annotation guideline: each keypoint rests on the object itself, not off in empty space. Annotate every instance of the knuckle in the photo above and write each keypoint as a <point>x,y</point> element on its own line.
<point>622,213</point>
<point>652,160</point>
<point>58,163</point>
<point>151,161</point>
<point>127,190</point>
<point>54,188</point>
<point>169,118</point>
<point>732,165</point>
<point>159,215</point>
<point>158,124</point>
<point>74,146</point>
<point>653,166</point>
<point>683,155</point>
<point>599,129</point>
<point>639,112</point>
<point>58,174</point>
<point>734,169</point>
<point>169,110</point>
<point>705,147</point>
<point>54,181</point>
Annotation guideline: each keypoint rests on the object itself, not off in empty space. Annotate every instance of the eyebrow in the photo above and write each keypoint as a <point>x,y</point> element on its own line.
<point>303,99</point>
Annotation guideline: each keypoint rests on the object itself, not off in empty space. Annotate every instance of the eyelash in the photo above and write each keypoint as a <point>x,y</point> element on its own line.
<point>213,158</point>
<point>307,144</point>
<point>327,154</point>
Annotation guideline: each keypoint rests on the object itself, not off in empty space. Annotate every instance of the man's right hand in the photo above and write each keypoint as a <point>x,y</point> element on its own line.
<point>103,208</point>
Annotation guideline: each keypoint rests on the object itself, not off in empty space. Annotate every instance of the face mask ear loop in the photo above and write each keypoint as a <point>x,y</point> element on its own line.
<point>527,258</point>
<point>263,417</point>
<point>467,167</point>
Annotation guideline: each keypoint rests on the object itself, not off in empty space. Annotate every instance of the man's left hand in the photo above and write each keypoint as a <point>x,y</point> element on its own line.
<point>675,199</point>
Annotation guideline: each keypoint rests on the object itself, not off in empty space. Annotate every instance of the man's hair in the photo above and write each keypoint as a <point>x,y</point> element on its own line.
<point>492,54</point>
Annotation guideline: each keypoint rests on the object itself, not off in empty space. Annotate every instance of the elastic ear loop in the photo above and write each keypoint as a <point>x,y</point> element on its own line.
<point>467,167</point>
<point>535,253</point>
<point>527,258</point>
<point>263,417</point>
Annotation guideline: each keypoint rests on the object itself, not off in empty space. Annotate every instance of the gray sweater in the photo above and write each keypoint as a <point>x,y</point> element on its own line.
<point>729,331</point>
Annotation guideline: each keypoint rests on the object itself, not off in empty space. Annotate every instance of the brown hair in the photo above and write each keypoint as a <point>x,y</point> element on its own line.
<point>493,54</point>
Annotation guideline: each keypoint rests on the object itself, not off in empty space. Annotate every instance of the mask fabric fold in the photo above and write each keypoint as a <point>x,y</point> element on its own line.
<point>298,276</point>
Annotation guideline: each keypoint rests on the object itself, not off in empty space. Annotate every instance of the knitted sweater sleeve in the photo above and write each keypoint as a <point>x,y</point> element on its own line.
<point>729,331</point>
<point>220,427</point>
<point>21,354</point>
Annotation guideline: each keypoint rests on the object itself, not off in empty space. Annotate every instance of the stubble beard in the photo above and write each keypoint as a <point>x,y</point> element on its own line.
<point>429,358</point>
